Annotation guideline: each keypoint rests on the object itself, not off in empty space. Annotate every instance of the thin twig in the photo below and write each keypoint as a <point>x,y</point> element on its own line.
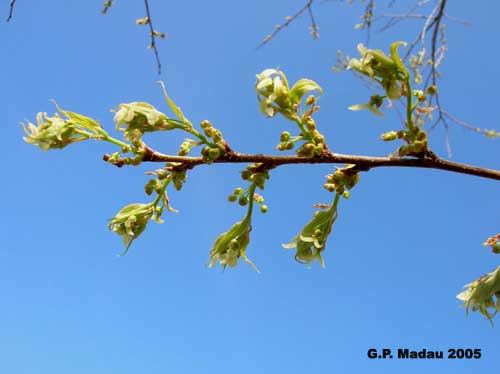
<point>363,163</point>
<point>12,4</point>
<point>313,27</point>
<point>153,36</point>
<point>435,32</point>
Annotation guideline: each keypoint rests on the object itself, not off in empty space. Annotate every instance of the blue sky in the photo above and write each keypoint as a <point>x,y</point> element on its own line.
<point>402,248</point>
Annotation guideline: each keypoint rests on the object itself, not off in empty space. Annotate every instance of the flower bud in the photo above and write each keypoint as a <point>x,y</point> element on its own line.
<point>205,123</point>
<point>310,100</point>
<point>285,136</point>
<point>389,136</point>
<point>432,90</point>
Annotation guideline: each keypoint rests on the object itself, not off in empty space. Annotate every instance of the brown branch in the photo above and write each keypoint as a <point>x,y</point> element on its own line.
<point>364,163</point>
<point>12,4</point>
<point>435,32</point>
<point>313,27</point>
<point>153,36</point>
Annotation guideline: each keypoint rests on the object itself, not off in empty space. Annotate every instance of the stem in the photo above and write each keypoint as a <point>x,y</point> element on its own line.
<point>409,109</point>
<point>105,136</point>
<point>190,129</point>
<point>117,142</point>
<point>306,134</point>
<point>335,202</point>
<point>251,192</point>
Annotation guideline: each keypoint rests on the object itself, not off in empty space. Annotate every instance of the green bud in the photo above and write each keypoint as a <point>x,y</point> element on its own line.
<point>232,198</point>
<point>389,136</point>
<point>285,136</point>
<point>205,123</point>
<point>422,135</point>
<point>216,135</point>
<point>243,201</point>
<point>307,150</point>
<point>264,208</point>
<point>214,153</point>
<point>318,150</point>
<point>208,131</point>
<point>311,124</point>
<point>245,174</point>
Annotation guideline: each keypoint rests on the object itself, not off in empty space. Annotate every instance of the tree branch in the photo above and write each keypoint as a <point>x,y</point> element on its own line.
<point>364,163</point>
<point>11,11</point>
<point>313,28</point>
<point>153,36</point>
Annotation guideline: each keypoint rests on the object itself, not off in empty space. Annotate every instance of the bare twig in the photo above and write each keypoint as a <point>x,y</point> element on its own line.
<point>363,163</point>
<point>11,11</point>
<point>368,20</point>
<point>435,32</point>
<point>313,27</point>
<point>107,4</point>
<point>153,35</point>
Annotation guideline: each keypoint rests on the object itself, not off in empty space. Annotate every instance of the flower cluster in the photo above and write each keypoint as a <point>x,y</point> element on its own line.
<point>136,118</point>
<point>483,294</point>
<point>232,245</point>
<point>215,148</point>
<point>57,132</point>
<point>390,72</point>
<point>311,241</point>
<point>131,221</point>
<point>275,96</point>
<point>342,179</point>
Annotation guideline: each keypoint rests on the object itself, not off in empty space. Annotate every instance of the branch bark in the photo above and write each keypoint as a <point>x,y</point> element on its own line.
<point>363,163</point>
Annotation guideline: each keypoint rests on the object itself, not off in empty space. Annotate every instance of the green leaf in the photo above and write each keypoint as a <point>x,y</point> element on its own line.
<point>396,58</point>
<point>302,87</point>
<point>171,104</point>
<point>81,120</point>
